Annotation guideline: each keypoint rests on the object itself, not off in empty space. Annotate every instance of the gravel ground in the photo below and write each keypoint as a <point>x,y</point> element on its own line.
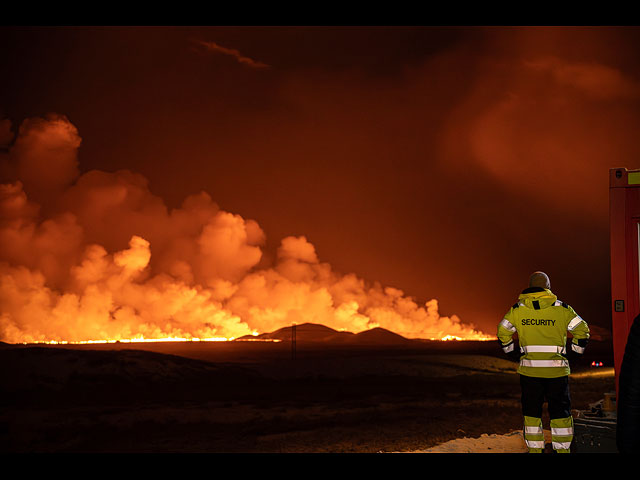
<point>58,400</point>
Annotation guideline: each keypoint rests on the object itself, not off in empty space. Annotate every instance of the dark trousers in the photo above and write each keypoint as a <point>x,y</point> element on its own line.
<point>555,391</point>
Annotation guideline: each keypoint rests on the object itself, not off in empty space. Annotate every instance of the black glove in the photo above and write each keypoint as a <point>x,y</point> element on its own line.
<point>575,351</point>
<point>515,355</point>
<point>511,351</point>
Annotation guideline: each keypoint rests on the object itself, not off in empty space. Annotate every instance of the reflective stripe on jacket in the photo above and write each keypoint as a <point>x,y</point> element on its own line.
<point>541,322</point>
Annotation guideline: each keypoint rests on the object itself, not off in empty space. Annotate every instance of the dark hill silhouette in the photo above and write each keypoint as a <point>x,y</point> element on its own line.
<point>306,332</point>
<point>314,332</point>
<point>381,336</point>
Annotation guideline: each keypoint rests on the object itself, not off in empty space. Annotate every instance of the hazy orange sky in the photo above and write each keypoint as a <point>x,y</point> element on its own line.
<point>446,162</point>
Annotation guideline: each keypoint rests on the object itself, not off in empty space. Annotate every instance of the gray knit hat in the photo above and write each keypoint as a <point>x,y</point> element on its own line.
<point>539,279</point>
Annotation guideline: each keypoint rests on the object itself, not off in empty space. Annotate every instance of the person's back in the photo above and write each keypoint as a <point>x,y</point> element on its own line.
<point>542,322</point>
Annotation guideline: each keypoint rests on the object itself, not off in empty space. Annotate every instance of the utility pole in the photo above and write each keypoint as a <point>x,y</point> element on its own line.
<point>293,341</point>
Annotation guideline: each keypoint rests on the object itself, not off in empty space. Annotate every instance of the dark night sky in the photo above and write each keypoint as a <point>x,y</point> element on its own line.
<point>448,162</point>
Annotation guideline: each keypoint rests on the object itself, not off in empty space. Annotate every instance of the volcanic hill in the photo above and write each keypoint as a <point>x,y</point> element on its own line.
<point>316,333</point>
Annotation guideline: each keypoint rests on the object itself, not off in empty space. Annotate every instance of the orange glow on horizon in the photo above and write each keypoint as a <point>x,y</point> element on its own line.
<point>446,338</point>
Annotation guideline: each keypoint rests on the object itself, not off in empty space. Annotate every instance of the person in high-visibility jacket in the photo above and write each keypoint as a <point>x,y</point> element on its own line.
<point>541,322</point>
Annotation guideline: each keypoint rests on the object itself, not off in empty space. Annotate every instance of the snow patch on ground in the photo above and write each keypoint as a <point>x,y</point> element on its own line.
<point>509,443</point>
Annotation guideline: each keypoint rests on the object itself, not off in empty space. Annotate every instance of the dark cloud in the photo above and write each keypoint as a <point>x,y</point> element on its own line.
<point>214,47</point>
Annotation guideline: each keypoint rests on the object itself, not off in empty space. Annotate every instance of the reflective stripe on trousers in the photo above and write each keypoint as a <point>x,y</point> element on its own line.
<point>561,445</point>
<point>534,444</point>
<point>562,431</point>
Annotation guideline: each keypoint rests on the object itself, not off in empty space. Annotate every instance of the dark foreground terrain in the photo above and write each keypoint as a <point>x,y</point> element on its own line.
<point>256,397</point>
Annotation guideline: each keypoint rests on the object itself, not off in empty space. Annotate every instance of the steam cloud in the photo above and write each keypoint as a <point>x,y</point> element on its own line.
<point>98,256</point>
<point>550,131</point>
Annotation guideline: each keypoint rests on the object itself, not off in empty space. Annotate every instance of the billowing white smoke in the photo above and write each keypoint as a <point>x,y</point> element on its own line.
<point>97,256</point>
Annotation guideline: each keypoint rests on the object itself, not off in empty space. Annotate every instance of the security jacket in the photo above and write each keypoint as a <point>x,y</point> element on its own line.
<point>541,322</point>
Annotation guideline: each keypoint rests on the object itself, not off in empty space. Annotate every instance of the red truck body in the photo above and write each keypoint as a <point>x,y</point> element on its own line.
<point>624,230</point>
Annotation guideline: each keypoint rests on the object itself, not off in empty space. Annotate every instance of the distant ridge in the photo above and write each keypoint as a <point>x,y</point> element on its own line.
<point>381,336</point>
<point>314,332</point>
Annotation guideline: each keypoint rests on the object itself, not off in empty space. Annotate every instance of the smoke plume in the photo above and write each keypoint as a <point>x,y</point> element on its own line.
<point>97,256</point>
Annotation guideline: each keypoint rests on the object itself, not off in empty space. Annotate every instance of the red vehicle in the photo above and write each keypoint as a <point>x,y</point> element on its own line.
<point>624,229</point>
<point>614,427</point>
